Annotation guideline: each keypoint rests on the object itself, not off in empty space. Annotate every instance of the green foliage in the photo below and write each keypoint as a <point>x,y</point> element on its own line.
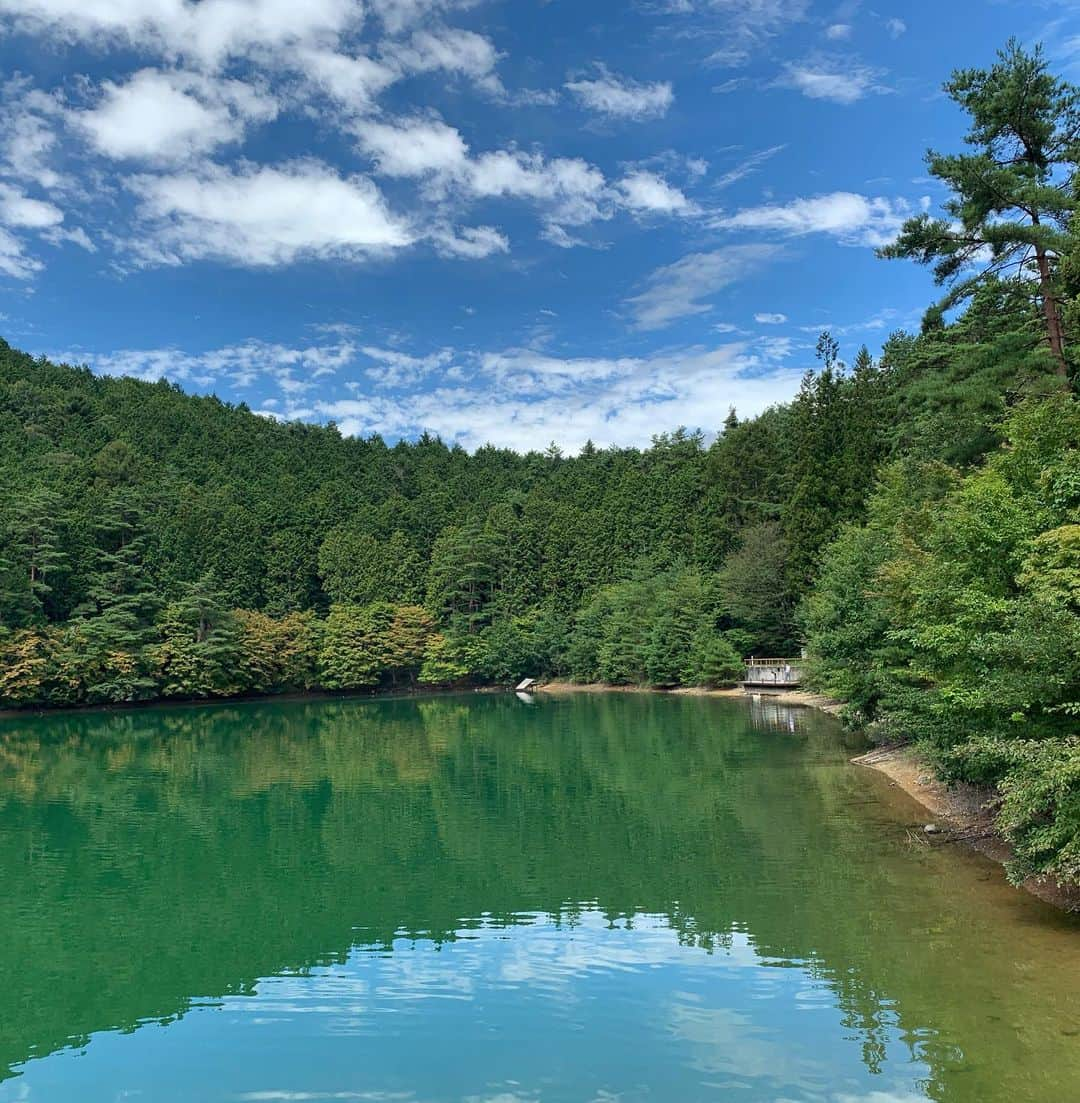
<point>754,588</point>
<point>450,659</point>
<point>353,644</point>
<point>200,650</point>
<point>657,630</point>
<point>42,667</point>
<point>714,661</point>
<point>357,568</point>
<point>1039,781</point>
<point>363,646</point>
<point>518,647</point>
<point>464,575</point>
<point>955,612</point>
<point>278,654</point>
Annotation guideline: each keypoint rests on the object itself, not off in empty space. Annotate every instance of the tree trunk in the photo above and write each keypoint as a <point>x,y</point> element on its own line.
<point>1051,312</point>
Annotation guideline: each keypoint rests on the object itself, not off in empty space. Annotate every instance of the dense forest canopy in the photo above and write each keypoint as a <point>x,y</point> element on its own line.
<point>912,519</point>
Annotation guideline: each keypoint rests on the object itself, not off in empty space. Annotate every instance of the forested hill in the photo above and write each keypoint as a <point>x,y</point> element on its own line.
<point>912,518</point>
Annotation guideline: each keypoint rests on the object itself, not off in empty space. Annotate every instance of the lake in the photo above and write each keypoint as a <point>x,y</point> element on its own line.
<point>591,897</point>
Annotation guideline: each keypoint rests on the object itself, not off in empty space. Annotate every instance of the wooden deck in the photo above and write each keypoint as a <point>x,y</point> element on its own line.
<point>774,674</point>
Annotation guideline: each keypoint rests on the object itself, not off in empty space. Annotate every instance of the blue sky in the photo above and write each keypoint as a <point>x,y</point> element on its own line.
<point>512,221</point>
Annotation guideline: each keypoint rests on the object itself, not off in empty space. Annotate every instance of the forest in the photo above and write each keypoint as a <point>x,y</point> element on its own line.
<point>911,518</point>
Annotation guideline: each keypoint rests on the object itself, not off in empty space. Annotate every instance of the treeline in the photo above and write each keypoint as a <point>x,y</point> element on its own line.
<point>912,519</point>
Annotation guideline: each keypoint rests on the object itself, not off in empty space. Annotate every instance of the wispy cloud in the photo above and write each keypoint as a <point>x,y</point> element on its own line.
<point>291,368</point>
<point>852,218</point>
<point>838,80</point>
<point>512,397</point>
<point>523,399</point>
<point>682,289</point>
<point>622,98</point>
<point>748,166</point>
<point>746,24</point>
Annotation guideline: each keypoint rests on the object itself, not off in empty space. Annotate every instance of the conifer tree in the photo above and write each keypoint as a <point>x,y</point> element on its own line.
<point>117,615</point>
<point>33,557</point>
<point>1012,198</point>
<point>200,652</point>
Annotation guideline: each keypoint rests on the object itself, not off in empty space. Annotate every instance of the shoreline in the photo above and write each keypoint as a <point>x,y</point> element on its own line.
<point>962,813</point>
<point>787,696</point>
<point>250,698</point>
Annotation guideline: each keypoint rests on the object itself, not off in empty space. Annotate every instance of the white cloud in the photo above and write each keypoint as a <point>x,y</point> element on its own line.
<point>853,219</point>
<point>259,215</point>
<point>523,399</point>
<point>622,98</point>
<point>838,32</point>
<point>895,27</point>
<point>469,242</point>
<point>13,259</point>
<point>567,190</point>
<point>413,148</point>
<point>838,80</point>
<point>172,116</point>
<point>515,397</point>
<point>647,192</point>
<point>354,80</point>
<point>208,33</point>
<point>573,189</point>
<point>888,318</point>
<point>28,138</point>
<point>767,319</point>
<point>451,50</point>
<point>177,114</point>
<point>397,15</point>
<point>678,290</point>
<point>559,236</point>
<point>397,369</point>
<point>237,365</point>
<point>18,210</point>
<point>22,214</point>
<point>314,39</point>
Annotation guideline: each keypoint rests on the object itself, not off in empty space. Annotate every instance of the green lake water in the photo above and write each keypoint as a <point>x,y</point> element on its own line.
<point>590,898</point>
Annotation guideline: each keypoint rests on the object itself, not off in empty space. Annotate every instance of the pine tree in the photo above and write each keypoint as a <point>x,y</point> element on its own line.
<point>116,620</point>
<point>1013,197</point>
<point>33,558</point>
<point>200,650</point>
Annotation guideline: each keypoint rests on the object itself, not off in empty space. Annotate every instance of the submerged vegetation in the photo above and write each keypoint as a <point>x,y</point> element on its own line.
<point>912,519</point>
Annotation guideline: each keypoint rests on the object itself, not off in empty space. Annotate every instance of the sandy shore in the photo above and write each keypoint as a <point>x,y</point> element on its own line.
<point>963,814</point>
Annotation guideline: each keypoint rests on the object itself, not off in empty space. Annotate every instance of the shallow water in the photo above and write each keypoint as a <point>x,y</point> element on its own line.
<point>590,898</point>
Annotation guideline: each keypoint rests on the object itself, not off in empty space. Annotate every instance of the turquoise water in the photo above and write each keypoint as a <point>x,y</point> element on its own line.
<point>593,897</point>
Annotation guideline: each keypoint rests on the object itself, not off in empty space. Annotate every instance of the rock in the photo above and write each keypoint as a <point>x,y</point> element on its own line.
<point>932,829</point>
